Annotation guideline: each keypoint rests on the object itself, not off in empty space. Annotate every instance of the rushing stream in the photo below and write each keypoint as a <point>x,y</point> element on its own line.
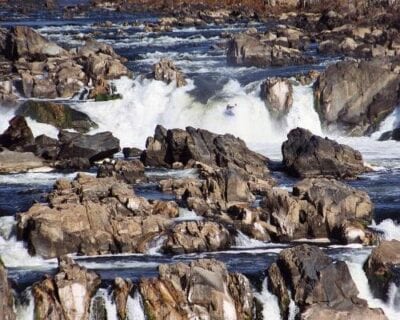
<point>145,103</point>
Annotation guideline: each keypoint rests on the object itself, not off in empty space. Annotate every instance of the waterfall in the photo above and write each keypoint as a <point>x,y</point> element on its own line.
<point>135,308</point>
<point>269,302</point>
<point>25,306</point>
<point>101,303</point>
<point>243,241</point>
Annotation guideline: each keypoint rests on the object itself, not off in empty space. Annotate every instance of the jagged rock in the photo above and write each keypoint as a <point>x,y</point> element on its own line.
<point>356,96</point>
<point>308,155</point>
<point>319,208</point>
<point>204,289</point>
<point>255,50</point>
<point>121,291</point>
<point>177,145</point>
<point>166,71</point>
<point>13,161</point>
<point>197,236</point>
<point>18,135</point>
<point>317,283</point>
<point>381,266</point>
<point>24,42</point>
<point>46,147</point>
<point>6,296</point>
<point>7,95</point>
<point>68,295</point>
<point>278,95</point>
<point>131,171</point>
<point>92,216</point>
<point>92,147</point>
<point>390,135</point>
<point>59,115</point>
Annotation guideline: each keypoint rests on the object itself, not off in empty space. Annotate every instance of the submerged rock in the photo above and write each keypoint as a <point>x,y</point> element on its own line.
<point>203,289</point>
<point>356,96</point>
<point>67,295</point>
<point>58,115</point>
<point>309,155</point>
<point>319,208</point>
<point>382,267</point>
<point>6,296</point>
<point>317,283</point>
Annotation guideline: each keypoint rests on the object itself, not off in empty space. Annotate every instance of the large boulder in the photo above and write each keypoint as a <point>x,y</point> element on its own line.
<point>202,290</point>
<point>309,155</point>
<point>58,115</point>
<point>382,268</point>
<point>24,42</point>
<point>93,216</point>
<point>121,291</point>
<point>6,296</point>
<point>130,171</point>
<point>197,236</point>
<point>319,208</point>
<point>176,145</point>
<point>278,95</point>
<point>92,147</point>
<point>356,96</point>
<point>68,295</point>
<point>167,71</point>
<point>317,283</point>
<point>18,135</point>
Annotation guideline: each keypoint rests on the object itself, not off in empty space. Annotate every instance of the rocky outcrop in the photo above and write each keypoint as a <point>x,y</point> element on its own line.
<point>319,208</point>
<point>67,295</point>
<point>167,71</point>
<point>93,216</point>
<point>58,115</point>
<point>390,135</point>
<point>48,71</point>
<point>309,155</point>
<point>92,147</point>
<point>356,96</point>
<point>18,135</point>
<point>13,161</point>
<point>223,151</point>
<point>316,283</point>
<point>197,236</point>
<point>278,95</point>
<point>204,289</point>
<point>131,171</point>
<point>262,51</point>
<point>381,266</point>
<point>6,296</point>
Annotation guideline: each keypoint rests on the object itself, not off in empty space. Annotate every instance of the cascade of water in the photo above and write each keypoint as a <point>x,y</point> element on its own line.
<point>135,308</point>
<point>25,307</point>
<point>243,241</point>
<point>269,302</point>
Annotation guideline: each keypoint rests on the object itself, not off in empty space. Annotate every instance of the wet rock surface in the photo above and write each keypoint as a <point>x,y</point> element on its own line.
<point>382,266</point>
<point>6,296</point>
<point>202,289</point>
<point>309,155</point>
<point>167,71</point>
<point>317,284</point>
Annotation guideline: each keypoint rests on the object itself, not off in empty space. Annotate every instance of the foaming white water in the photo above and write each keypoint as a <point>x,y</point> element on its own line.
<point>13,253</point>
<point>389,229</point>
<point>188,215</point>
<point>269,302</point>
<point>391,309</point>
<point>243,241</point>
<point>303,113</point>
<point>134,307</point>
<point>156,245</point>
<point>111,308</point>
<point>42,128</point>
<point>25,310</point>
<point>147,103</point>
<point>34,178</point>
<point>391,122</point>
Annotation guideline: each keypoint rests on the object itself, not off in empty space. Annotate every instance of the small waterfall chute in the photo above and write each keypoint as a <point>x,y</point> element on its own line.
<point>135,308</point>
<point>269,302</point>
<point>25,305</point>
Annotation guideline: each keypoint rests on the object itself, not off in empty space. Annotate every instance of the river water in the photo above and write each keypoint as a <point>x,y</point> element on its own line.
<point>201,103</point>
